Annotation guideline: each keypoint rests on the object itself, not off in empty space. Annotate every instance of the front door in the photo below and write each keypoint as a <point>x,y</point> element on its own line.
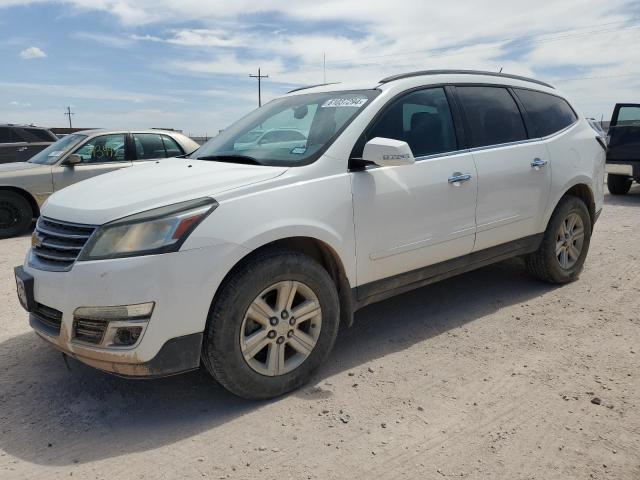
<point>100,154</point>
<point>412,216</point>
<point>514,173</point>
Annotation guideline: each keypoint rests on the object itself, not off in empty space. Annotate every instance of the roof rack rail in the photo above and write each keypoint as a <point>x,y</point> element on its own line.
<point>462,72</point>
<point>311,86</point>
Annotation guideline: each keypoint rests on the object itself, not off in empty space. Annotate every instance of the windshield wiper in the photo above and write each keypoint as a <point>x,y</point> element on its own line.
<point>245,159</point>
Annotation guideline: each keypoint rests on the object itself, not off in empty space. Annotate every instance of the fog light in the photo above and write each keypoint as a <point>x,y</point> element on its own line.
<point>119,326</point>
<point>127,336</point>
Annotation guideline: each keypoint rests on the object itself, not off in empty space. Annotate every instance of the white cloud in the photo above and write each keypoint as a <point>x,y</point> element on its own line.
<point>88,92</point>
<point>108,40</point>
<point>380,37</point>
<point>32,52</point>
<point>19,104</point>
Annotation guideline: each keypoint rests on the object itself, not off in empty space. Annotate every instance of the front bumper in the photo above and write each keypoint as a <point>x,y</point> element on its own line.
<point>182,285</point>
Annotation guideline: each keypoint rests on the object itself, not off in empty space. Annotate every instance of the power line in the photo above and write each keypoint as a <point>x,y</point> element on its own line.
<point>259,77</point>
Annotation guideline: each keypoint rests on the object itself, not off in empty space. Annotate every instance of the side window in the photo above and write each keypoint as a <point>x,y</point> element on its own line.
<point>271,137</point>
<point>422,119</point>
<point>629,115</point>
<point>5,135</point>
<point>292,136</point>
<point>105,148</point>
<point>38,135</point>
<point>149,146</point>
<point>492,115</point>
<point>171,146</point>
<point>547,113</point>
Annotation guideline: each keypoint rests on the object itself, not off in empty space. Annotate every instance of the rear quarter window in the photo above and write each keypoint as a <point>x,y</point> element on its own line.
<point>547,114</point>
<point>5,135</point>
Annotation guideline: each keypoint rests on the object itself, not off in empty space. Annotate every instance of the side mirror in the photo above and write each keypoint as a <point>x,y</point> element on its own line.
<point>72,160</point>
<point>387,152</point>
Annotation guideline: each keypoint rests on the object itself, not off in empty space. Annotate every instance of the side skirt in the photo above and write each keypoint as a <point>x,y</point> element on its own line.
<point>404,282</point>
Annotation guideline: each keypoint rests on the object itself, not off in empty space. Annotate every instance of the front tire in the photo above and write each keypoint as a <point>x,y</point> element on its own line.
<point>565,243</point>
<point>16,214</point>
<point>273,323</point>
<point>618,184</point>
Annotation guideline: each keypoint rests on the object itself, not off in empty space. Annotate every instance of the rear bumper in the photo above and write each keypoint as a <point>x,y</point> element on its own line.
<point>629,168</point>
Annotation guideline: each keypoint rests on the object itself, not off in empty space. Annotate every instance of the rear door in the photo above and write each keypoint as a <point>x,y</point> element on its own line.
<point>100,154</point>
<point>151,146</point>
<point>11,146</point>
<point>514,175</point>
<point>36,140</point>
<point>624,134</point>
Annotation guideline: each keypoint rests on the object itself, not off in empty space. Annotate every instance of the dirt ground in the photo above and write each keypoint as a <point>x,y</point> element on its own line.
<point>490,375</point>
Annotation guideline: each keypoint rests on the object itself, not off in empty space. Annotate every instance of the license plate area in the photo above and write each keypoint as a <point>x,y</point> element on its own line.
<point>24,289</point>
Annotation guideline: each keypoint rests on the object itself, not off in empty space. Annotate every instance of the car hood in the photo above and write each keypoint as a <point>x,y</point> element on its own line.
<point>132,190</point>
<point>18,167</point>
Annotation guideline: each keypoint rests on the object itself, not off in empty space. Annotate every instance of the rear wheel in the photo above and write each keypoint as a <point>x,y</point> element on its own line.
<point>273,323</point>
<point>16,214</point>
<point>618,184</point>
<point>565,244</point>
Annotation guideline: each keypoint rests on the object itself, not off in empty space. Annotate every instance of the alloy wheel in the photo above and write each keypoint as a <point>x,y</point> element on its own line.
<point>569,240</point>
<point>280,328</point>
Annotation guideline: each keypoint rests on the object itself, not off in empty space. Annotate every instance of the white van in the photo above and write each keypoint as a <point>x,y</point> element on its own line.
<point>248,260</point>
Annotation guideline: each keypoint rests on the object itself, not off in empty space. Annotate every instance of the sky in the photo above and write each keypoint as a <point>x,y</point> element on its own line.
<point>185,63</point>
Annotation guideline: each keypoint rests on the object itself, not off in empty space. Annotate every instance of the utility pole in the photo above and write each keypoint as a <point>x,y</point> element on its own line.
<point>259,77</point>
<point>324,67</point>
<point>68,114</point>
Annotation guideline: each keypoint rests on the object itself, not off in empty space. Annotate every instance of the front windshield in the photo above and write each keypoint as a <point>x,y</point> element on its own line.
<point>288,131</point>
<point>53,152</point>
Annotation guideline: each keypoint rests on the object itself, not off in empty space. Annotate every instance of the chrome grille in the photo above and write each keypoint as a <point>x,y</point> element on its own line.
<point>90,331</point>
<point>56,245</point>
<point>46,319</point>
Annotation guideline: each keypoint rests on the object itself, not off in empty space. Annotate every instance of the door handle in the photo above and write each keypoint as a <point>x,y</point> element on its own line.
<point>537,163</point>
<point>22,149</point>
<point>458,177</point>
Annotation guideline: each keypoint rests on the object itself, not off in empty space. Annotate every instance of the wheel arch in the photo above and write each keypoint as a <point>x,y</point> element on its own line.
<point>582,189</point>
<point>321,252</point>
<point>26,195</point>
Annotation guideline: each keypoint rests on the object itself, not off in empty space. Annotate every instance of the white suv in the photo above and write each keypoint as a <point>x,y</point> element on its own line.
<point>248,260</point>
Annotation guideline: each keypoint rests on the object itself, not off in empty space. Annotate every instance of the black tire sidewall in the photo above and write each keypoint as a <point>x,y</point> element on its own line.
<point>618,184</point>
<point>26,214</point>
<point>224,358</point>
<point>568,205</point>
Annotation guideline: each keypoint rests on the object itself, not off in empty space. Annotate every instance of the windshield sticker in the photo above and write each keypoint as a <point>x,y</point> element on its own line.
<point>298,150</point>
<point>356,102</point>
<point>57,153</point>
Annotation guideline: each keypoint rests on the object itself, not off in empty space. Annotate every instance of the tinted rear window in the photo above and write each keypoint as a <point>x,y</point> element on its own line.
<point>35,135</point>
<point>492,115</point>
<point>5,135</point>
<point>547,113</point>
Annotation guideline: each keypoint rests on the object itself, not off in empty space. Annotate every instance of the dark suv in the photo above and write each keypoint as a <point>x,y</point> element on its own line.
<point>18,143</point>
<point>623,155</point>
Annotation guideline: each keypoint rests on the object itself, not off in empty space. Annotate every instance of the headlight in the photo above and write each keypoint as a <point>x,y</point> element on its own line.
<point>155,231</point>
